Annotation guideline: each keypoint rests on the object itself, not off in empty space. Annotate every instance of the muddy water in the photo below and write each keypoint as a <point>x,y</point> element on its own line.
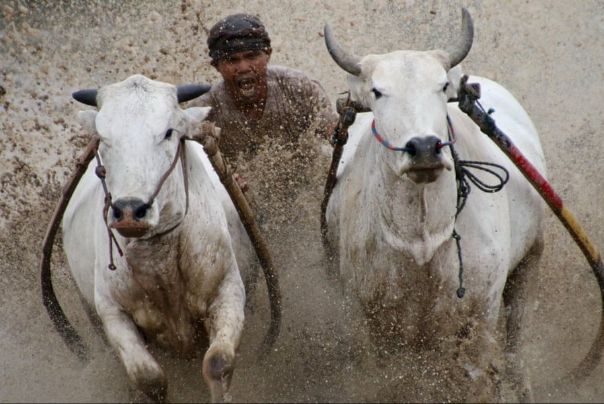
<point>548,53</point>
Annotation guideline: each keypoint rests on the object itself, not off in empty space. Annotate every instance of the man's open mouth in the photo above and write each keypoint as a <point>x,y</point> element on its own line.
<point>246,84</point>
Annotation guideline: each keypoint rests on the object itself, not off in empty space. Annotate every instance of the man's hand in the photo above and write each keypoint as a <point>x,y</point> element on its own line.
<point>243,184</point>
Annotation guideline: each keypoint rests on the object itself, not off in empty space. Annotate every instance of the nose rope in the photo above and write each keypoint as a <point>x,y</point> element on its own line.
<point>452,137</point>
<point>439,145</point>
<point>385,143</point>
<point>463,177</point>
<point>101,172</point>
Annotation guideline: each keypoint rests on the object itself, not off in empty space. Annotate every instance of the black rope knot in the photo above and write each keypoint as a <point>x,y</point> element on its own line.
<point>461,291</point>
<point>100,172</point>
<point>464,178</point>
<point>335,138</point>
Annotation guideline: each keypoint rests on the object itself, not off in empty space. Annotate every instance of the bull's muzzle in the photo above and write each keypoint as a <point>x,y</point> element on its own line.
<point>426,160</point>
<point>129,217</point>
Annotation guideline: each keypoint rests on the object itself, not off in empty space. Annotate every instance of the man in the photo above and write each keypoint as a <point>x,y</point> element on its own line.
<point>257,105</point>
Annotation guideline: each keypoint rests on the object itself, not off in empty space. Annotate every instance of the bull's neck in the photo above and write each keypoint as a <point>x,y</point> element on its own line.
<point>414,217</point>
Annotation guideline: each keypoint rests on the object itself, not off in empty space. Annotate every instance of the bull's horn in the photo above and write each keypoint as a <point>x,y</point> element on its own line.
<point>87,97</point>
<point>187,92</point>
<point>459,50</point>
<point>345,60</point>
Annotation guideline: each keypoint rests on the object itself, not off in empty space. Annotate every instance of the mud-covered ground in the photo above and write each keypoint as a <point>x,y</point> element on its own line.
<point>547,52</point>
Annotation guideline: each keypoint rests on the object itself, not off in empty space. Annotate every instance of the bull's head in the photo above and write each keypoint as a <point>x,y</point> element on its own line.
<point>408,92</point>
<point>140,127</point>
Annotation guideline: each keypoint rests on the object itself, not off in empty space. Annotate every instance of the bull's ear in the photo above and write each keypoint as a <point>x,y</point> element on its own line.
<point>87,97</point>
<point>357,95</point>
<point>86,119</point>
<point>197,115</point>
<point>454,75</point>
<point>187,92</point>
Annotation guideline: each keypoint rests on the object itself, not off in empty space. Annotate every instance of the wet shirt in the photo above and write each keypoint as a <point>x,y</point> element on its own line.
<point>296,106</point>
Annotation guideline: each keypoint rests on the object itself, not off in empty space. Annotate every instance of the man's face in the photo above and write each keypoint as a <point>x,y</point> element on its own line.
<point>244,74</point>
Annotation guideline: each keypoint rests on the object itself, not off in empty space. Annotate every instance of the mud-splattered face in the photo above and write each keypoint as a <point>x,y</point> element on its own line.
<point>244,74</point>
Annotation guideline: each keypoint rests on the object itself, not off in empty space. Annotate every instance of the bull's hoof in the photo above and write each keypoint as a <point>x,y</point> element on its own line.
<point>217,372</point>
<point>155,389</point>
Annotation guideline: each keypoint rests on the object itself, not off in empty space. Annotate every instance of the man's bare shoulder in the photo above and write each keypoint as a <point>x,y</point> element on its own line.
<point>287,74</point>
<point>294,83</point>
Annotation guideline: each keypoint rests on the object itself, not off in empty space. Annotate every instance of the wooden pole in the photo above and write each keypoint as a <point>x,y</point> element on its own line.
<point>209,139</point>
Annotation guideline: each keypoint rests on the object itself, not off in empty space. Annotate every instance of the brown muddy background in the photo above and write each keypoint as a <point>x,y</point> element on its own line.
<point>548,53</point>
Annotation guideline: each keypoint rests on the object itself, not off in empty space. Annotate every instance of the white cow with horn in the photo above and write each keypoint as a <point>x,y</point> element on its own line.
<point>401,202</point>
<point>158,203</point>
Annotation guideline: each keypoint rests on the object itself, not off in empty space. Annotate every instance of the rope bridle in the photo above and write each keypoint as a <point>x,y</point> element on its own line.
<point>463,177</point>
<point>101,172</point>
<point>439,145</point>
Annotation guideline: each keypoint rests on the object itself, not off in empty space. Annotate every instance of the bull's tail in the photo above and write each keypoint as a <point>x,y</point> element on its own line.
<point>57,316</point>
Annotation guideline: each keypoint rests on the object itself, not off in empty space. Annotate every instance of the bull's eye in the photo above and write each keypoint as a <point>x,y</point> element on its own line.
<point>445,87</point>
<point>168,134</point>
<point>377,93</point>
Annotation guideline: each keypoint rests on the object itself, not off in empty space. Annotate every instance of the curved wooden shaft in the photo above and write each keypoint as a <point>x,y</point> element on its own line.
<point>207,138</point>
<point>57,316</point>
<point>347,117</point>
<point>467,96</point>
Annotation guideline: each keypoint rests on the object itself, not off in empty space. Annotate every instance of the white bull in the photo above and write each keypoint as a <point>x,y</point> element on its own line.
<point>392,214</point>
<point>178,280</point>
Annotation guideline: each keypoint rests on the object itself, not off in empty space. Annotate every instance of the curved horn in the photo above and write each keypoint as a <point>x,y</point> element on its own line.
<point>87,97</point>
<point>187,92</point>
<point>345,60</point>
<point>458,51</point>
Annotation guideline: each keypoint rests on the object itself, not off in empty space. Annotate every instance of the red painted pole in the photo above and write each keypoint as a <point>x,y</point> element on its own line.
<point>467,96</point>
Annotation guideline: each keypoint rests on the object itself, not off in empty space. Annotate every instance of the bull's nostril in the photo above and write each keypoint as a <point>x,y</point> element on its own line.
<point>141,212</point>
<point>117,214</point>
<point>129,209</point>
<point>411,148</point>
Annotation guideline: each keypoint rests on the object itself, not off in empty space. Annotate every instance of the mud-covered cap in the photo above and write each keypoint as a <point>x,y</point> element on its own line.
<point>237,33</point>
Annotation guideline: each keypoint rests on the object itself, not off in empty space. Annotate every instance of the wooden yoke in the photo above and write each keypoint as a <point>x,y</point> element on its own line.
<point>209,139</point>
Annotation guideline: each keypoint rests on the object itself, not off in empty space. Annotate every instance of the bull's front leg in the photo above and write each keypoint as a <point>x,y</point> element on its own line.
<point>141,367</point>
<point>224,327</point>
